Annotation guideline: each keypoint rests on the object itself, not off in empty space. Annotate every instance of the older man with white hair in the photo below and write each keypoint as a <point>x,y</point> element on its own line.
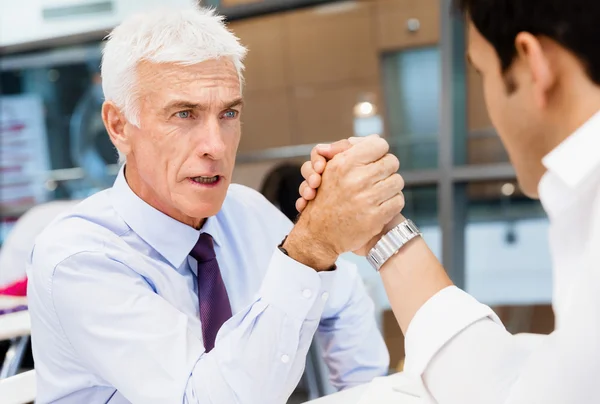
<point>174,286</point>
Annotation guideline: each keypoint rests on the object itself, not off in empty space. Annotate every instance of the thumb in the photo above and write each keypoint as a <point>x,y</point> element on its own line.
<point>329,151</point>
<point>355,139</point>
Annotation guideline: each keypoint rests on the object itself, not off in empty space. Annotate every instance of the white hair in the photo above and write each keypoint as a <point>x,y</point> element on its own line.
<point>181,36</point>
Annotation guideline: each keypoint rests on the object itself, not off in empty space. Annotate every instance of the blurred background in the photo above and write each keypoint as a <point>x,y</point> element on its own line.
<point>317,71</point>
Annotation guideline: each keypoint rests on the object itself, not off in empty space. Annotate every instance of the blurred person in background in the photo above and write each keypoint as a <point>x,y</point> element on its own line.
<point>16,249</point>
<point>175,286</point>
<point>280,187</point>
<point>540,67</point>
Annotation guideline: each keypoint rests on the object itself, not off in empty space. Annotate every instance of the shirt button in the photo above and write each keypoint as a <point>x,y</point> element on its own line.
<point>325,296</point>
<point>307,293</point>
<point>285,358</point>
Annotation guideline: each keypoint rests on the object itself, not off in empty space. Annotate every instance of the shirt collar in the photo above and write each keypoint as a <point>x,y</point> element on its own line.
<point>570,164</point>
<point>170,238</point>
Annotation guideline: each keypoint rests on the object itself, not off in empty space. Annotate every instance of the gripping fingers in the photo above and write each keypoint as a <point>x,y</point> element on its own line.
<point>307,192</point>
<point>311,176</point>
<point>392,207</point>
<point>369,150</point>
<point>301,204</point>
<point>307,170</point>
<point>329,151</point>
<point>384,167</point>
<point>389,187</point>
<point>317,160</point>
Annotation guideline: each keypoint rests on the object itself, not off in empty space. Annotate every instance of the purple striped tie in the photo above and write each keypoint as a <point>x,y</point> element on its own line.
<point>215,308</point>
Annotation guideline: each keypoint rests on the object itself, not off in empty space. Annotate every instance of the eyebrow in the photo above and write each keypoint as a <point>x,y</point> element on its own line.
<point>182,104</point>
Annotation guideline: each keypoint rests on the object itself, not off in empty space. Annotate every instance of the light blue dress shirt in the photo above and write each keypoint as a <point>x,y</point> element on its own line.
<point>114,308</point>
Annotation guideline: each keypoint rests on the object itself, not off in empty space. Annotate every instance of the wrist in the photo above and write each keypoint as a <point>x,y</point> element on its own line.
<point>303,247</point>
<point>392,241</point>
<point>395,222</point>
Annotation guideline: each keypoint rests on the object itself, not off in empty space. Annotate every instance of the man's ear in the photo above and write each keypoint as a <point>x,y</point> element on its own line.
<point>531,51</point>
<point>115,124</point>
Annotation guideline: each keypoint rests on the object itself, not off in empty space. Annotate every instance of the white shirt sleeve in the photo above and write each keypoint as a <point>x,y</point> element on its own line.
<point>464,354</point>
<point>352,346</point>
<point>137,342</point>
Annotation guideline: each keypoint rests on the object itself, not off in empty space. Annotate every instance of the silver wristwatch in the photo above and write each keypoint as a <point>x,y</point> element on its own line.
<point>392,242</point>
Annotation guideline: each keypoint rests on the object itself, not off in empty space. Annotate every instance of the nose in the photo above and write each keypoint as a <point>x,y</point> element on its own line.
<point>211,142</point>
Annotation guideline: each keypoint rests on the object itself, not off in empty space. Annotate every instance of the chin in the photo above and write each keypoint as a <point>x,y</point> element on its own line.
<point>204,208</point>
<point>529,186</point>
<point>529,170</point>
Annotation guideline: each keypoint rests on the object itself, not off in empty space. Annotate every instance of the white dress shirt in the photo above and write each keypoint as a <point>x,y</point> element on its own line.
<point>115,318</point>
<point>463,353</point>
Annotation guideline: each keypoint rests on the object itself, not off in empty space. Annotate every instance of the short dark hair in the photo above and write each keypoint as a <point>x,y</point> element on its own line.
<point>574,24</point>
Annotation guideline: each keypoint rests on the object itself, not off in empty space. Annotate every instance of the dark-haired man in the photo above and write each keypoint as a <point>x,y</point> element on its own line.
<point>540,66</point>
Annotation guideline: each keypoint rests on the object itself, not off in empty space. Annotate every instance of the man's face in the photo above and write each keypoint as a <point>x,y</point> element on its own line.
<point>181,158</point>
<point>513,109</point>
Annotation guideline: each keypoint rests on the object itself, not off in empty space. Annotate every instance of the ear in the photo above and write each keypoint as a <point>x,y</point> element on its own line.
<point>115,124</point>
<point>531,52</point>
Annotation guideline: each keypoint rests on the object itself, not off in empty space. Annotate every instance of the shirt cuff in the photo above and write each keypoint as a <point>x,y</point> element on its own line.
<point>439,320</point>
<point>295,288</point>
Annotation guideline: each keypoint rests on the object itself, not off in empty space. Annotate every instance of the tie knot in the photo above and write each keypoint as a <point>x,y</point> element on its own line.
<point>204,249</point>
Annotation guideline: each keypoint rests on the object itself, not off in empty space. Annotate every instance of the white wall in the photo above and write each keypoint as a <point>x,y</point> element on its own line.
<point>21,21</point>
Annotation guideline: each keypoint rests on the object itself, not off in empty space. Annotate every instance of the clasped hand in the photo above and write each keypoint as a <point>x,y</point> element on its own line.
<point>359,185</point>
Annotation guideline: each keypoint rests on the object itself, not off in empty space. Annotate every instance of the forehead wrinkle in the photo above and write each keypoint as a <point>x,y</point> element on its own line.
<point>186,83</point>
<point>214,72</point>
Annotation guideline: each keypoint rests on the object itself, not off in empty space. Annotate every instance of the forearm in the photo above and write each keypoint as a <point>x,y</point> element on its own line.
<point>448,332</point>
<point>411,278</point>
<point>259,354</point>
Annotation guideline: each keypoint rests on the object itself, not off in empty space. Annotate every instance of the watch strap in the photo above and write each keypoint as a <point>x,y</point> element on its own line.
<point>392,242</point>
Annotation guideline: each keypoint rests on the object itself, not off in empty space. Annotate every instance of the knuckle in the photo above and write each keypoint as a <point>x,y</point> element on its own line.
<point>341,159</point>
<point>381,142</point>
<point>339,164</point>
<point>342,144</point>
<point>398,182</point>
<point>314,152</point>
<point>370,198</point>
<point>401,182</point>
<point>385,169</point>
<point>361,179</point>
<point>401,201</point>
<point>395,163</point>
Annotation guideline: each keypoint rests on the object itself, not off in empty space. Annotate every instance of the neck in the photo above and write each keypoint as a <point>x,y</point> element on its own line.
<point>148,195</point>
<point>578,102</point>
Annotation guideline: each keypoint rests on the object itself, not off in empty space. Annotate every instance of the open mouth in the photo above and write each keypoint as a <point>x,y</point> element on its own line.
<point>206,180</point>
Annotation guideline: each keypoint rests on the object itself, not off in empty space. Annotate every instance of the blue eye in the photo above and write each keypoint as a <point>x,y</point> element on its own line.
<point>230,114</point>
<point>183,114</point>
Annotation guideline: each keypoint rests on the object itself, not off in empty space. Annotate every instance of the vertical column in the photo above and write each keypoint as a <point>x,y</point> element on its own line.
<point>452,142</point>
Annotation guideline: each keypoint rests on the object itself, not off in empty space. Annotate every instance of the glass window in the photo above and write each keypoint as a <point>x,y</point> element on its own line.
<point>507,259</point>
<point>66,82</point>
<point>412,93</point>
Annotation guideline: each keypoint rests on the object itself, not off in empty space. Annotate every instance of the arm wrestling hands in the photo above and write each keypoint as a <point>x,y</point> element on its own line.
<point>313,170</point>
<point>412,276</point>
<point>360,194</point>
